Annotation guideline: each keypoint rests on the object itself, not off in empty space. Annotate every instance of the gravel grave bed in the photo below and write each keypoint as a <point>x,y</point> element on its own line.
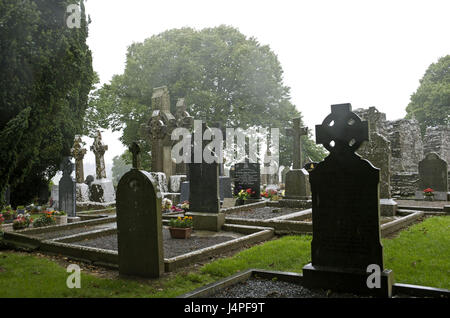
<point>172,247</point>
<point>78,230</point>
<point>264,288</point>
<point>262,213</point>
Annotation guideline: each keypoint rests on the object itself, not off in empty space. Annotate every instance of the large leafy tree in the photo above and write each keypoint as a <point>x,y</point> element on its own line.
<point>223,75</point>
<point>430,104</point>
<point>46,75</point>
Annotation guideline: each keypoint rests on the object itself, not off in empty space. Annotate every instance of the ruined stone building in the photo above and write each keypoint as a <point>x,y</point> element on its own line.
<point>407,147</point>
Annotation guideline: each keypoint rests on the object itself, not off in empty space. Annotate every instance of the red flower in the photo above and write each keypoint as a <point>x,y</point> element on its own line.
<point>428,190</point>
<point>249,191</point>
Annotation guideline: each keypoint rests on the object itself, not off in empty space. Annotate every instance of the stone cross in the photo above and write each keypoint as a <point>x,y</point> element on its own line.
<point>78,153</point>
<point>183,120</point>
<point>135,150</point>
<point>99,149</point>
<point>297,132</point>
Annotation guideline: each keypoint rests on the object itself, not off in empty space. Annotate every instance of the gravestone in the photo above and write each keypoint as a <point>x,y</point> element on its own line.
<point>78,152</point>
<point>139,223</point>
<point>247,175</point>
<point>224,181</point>
<point>67,188</point>
<point>101,189</point>
<point>433,173</point>
<point>378,152</point>
<point>204,202</point>
<point>345,211</point>
<point>297,179</point>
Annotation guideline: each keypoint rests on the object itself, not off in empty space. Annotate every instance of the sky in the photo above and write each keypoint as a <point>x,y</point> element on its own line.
<point>367,53</point>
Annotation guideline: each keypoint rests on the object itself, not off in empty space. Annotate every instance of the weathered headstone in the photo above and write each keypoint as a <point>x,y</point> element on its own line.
<point>67,188</point>
<point>297,180</point>
<point>433,173</point>
<point>378,151</point>
<point>345,211</point>
<point>139,223</point>
<point>204,202</point>
<point>78,153</point>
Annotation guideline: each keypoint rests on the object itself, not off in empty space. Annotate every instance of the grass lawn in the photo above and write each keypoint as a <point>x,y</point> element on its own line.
<point>418,255</point>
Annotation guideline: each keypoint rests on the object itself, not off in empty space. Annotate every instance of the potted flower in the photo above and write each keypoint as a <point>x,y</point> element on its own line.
<point>46,219</point>
<point>428,194</point>
<point>180,228</point>
<point>23,221</point>
<point>60,217</point>
<point>243,196</point>
<point>8,214</point>
<point>2,220</point>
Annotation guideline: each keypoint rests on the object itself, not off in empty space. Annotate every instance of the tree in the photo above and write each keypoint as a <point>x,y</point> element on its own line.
<point>430,104</point>
<point>223,75</point>
<point>44,85</point>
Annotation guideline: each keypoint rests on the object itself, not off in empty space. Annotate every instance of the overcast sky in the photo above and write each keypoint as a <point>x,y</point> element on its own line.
<point>367,53</point>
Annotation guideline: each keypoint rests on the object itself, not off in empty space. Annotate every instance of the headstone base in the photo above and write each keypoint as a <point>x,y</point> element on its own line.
<point>388,207</point>
<point>82,192</point>
<point>336,279</point>
<point>207,221</point>
<point>102,190</point>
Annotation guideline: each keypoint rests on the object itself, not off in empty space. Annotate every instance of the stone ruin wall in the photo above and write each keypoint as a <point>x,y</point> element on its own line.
<point>407,147</point>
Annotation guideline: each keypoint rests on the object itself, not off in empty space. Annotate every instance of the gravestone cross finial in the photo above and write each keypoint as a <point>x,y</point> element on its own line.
<point>297,132</point>
<point>342,131</point>
<point>135,150</point>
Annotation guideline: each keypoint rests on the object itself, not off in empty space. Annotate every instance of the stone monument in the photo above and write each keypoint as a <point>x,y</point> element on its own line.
<point>433,173</point>
<point>297,179</point>
<point>346,243</point>
<point>101,189</point>
<point>139,223</point>
<point>378,152</point>
<point>78,152</point>
<point>67,188</point>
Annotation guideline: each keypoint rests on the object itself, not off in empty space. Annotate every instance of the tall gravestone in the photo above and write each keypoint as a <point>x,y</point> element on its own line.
<point>297,179</point>
<point>67,188</point>
<point>101,189</point>
<point>345,211</point>
<point>247,175</point>
<point>204,201</point>
<point>78,152</point>
<point>139,223</point>
<point>433,173</point>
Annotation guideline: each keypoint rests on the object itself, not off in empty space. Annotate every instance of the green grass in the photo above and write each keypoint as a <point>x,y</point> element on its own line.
<point>419,255</point>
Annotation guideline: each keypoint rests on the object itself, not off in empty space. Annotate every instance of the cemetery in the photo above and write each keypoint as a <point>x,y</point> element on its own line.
<point>193,175</point>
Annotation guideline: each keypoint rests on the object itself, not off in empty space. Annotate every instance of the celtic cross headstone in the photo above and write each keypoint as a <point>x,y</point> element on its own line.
<point>345,209</point>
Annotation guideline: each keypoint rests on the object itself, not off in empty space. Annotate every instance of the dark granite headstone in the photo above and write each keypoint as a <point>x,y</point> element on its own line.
<point>247,176</point>
<point>433,173</point>
<point>345,210</point>
<point>184,191</point>
<point>139,225</point>
<point>67,188</point>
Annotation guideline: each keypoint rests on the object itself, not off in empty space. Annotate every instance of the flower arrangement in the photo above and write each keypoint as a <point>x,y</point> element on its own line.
<point>428,192</point>
<point>244,194</point>
<point>8,213</point>
<point>271,194</point>
<point>58,213</point>
<point>46,219</point>
<point>23,221</point>
<point>166,204</point>
<point>2,219</point>
<point>185,205</point>
<point>180,222</point>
